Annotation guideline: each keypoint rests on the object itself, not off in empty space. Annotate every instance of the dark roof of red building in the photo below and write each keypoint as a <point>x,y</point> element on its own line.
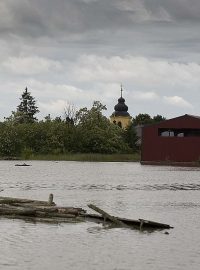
<point>183,121</point>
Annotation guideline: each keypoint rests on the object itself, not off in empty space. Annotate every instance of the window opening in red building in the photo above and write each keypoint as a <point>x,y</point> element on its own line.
<point>174,132</point>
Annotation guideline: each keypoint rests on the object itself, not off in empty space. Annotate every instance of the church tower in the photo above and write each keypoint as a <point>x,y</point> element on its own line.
<point>120,116</point>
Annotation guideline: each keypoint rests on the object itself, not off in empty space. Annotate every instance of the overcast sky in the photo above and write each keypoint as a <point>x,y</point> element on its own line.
<point>78,51</point>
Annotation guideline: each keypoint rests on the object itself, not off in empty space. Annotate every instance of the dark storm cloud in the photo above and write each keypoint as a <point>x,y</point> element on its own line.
<point>63,17</point>
<point>179,10</point>
<point>125,26</point>
<point>56,18</point>
<point>146,27</point>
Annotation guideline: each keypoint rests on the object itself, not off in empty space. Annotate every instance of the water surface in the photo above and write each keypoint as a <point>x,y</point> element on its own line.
<point>164,194</point>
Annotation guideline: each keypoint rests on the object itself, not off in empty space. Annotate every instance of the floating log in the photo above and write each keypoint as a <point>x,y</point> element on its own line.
<point>135,224</point>
<point>48,211</point>
<point>107,216</point>
<point>52,209</point>
<point>38,210</point>
<point>34,212</point>
<point>153,224</point>
<point>4,210</point>
<point>53,220</point>
<point>10,200</point>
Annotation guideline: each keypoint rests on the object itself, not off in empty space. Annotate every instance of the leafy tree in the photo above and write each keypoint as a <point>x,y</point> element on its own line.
<point>47,118</point>
<point>142,119</point>
<point>131,138</point>
<point>89,132</point>
<point>145,119</point>
<point>158,118</point>
<point>10,141</point>
<point>92,117</point>
<point>58,119</point>
<point>95,133</point>
<point>27,109</point>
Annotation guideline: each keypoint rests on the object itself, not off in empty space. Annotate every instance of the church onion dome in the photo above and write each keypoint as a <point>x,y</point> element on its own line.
<point>121,109</point>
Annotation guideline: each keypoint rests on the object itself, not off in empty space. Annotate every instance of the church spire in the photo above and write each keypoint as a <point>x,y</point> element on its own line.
<point>120,116</point>
<point>121,108</point>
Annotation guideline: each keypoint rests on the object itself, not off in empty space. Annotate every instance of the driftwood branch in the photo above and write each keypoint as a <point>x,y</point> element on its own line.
<point>107,216</point>
<point>140,224</point>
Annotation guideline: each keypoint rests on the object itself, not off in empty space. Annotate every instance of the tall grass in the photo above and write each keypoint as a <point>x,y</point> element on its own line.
<point>87,157</point>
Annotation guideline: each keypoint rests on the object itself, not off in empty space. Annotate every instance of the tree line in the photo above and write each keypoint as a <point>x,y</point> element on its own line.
<point>82,131</point>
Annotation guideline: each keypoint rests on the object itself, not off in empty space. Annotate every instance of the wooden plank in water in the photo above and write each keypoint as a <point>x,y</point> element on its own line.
<point>107,216</point>
<point>147,224</point>
<point>154,224</point>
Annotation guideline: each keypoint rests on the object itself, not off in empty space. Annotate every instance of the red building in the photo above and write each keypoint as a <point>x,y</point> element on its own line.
<point>175,141</point>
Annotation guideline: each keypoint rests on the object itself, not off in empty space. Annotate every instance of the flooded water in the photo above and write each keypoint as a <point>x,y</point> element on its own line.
<point>164,194</point>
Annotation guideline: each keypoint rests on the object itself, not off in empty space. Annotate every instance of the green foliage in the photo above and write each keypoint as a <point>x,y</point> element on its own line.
<point>142,119</point>
<point>88,157</point>
<point>26,110</point>
<point>131,137</point>
<point>46,137</point>
<point>87,131</point>
<point>96,133</point>
<point>158,118</point>
<point>145,119</point>
<point>10,142</point>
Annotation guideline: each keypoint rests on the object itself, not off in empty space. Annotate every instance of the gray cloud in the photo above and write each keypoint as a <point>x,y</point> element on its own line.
<point>56,18</point>
<point>179,10</point>
<point>83,49</point>
<point>160,28</point>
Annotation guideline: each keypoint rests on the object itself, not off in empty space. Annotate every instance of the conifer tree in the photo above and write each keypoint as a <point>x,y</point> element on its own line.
<point>27,109</point>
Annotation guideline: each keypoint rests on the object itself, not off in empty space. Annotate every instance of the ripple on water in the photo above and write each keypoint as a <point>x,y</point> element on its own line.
<point>108,187</point>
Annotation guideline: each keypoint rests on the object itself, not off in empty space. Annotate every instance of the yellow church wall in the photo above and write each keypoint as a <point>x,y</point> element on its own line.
<point>125,120</point>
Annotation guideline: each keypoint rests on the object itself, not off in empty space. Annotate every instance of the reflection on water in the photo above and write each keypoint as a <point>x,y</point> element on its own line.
<point>164,194</point>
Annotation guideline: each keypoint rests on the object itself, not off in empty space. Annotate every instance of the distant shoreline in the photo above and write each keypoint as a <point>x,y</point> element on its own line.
<point>80,157</point>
